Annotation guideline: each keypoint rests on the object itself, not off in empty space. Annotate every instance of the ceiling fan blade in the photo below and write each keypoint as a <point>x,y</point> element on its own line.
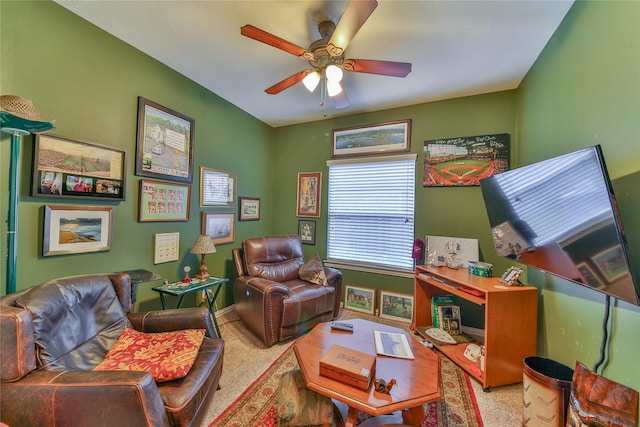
<point>340,100</point>
<point>288,82</point>
<point>275,41</point>
<point>356,13</point>
<point>372,66</point>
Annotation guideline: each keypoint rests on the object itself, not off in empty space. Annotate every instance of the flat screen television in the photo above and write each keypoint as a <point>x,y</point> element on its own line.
<point>560,216</point>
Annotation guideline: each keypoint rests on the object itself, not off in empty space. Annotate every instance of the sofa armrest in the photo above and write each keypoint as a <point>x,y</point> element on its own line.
<point>334,278</point>
<point>53,398</point>
<point>17,347</point>
<point>174,320</point>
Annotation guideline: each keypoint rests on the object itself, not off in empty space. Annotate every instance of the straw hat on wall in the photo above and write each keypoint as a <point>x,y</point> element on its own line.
<point>25,115</point>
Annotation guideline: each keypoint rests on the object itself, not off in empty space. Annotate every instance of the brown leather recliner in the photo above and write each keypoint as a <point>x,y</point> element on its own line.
<point>55,333</point>
<point>269,296</point>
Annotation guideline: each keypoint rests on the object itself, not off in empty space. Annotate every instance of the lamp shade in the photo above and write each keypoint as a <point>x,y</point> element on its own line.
<point>333,73</point>
<point>311,81</point>
<point>203,245</point>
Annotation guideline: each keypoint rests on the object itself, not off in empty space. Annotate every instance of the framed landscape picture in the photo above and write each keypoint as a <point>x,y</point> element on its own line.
<point>249,209</point>
<point>164,146</point>
<point>77,229</point>
<point>64,167</point>
<point>380,138</point>
<point>163,201</point>
<point>221,227</point>
<point>359,298</point>
<point>396,306</point>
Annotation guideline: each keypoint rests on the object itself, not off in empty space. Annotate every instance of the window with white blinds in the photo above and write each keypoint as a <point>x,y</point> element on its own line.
<point>371,211</point>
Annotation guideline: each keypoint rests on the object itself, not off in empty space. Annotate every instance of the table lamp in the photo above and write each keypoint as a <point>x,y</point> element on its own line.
<point>203,245</point>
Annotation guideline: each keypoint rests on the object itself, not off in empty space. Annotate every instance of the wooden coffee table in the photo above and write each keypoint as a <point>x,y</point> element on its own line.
<point>418,380</point>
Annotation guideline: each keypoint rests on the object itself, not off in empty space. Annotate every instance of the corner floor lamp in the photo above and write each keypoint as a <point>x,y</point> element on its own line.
<point>203,245</point>
<point>18,117</point>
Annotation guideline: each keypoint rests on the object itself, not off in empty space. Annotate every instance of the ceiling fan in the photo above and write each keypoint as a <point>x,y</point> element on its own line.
<point>326,55</point>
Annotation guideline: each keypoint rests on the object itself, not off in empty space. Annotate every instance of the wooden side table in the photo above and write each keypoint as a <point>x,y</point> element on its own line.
<point>179,289</point>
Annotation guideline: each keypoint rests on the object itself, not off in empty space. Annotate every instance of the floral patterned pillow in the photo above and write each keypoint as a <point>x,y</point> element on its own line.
<point>313,271</point>
<point>165,355</point>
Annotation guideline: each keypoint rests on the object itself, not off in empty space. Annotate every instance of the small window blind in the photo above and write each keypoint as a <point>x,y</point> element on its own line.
<point>371,211</point>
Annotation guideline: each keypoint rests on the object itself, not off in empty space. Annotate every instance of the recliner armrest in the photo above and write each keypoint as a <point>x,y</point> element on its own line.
<point>174,320</point>
<point>50,398</point>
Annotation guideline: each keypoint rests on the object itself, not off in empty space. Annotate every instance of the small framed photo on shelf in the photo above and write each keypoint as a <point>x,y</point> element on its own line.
<point>249,209</point>
<point>217,187</point>
<point>64,167</point>
<point>221,227</point>
<point>77,229</point>
<point>163,201</point>
<point>307,231</point>
<point>164,146</point>
<point>395,306</point>
<point>308,202</point>
<point>359,298</point>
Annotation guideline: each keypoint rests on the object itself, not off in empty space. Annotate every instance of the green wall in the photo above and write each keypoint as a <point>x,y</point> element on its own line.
<point>89,82</point>
<point>582,91</point>
<point>439,211</point>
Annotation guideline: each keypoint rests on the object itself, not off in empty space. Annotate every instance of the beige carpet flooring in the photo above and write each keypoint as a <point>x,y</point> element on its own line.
<point>246,358</point>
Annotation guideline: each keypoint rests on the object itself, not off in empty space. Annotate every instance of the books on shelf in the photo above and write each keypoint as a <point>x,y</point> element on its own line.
<point>449,319</point>
<point>437,301</point>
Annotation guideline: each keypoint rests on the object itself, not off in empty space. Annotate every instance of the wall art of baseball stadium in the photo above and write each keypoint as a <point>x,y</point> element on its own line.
<point>464,160</point>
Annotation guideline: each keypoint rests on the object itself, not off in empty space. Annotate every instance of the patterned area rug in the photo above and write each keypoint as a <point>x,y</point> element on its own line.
<point>257,405</point>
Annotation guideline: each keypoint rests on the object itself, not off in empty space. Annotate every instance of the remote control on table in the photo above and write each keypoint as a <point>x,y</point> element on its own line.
<point>341,326</point>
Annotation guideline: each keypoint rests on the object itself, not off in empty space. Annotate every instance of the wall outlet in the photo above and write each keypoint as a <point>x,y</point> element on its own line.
<point>203,296</point>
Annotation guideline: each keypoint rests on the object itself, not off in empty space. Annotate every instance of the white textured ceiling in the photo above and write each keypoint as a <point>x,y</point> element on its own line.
<point>457,48</point>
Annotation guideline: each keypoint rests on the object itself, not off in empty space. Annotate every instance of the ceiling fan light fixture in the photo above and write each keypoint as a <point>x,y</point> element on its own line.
<point>333,73</point>
<point>333,88</point>
<point>311,81</point>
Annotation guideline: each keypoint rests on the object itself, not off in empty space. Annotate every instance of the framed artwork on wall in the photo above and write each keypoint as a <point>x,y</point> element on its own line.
<point>308,200</point>
<point>359,298</point>
<point>77,229</point>
<point>221,227</point>
<point>64,167</point>
<point>249,209</point>
<point>464,160</point>
<point>163,201</point>
<point>164,146</point>
<point>166,247</point>
<point>396,306</point>
<point>380,138</point>
<point>217,187</point>
<point>307,231</point>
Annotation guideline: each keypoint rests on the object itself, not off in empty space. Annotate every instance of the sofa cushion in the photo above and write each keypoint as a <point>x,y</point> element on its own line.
<point>313,271</point>
<point>165,355</point>
<point>76,320</point>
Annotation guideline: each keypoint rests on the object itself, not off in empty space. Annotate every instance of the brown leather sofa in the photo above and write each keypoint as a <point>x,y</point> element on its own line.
<point>55,333</point>
<point>269,296</point>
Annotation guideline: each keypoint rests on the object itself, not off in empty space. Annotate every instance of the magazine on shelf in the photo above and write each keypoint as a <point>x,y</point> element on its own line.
<point>392,344</point>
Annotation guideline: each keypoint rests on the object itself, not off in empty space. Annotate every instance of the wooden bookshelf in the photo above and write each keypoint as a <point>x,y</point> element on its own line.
<point>510,321</point>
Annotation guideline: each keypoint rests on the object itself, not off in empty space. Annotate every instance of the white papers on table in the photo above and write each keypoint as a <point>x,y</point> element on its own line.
<point>392,344</point>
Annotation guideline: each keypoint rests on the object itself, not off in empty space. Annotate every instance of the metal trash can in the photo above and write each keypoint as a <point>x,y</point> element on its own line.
<point>547,386</point>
